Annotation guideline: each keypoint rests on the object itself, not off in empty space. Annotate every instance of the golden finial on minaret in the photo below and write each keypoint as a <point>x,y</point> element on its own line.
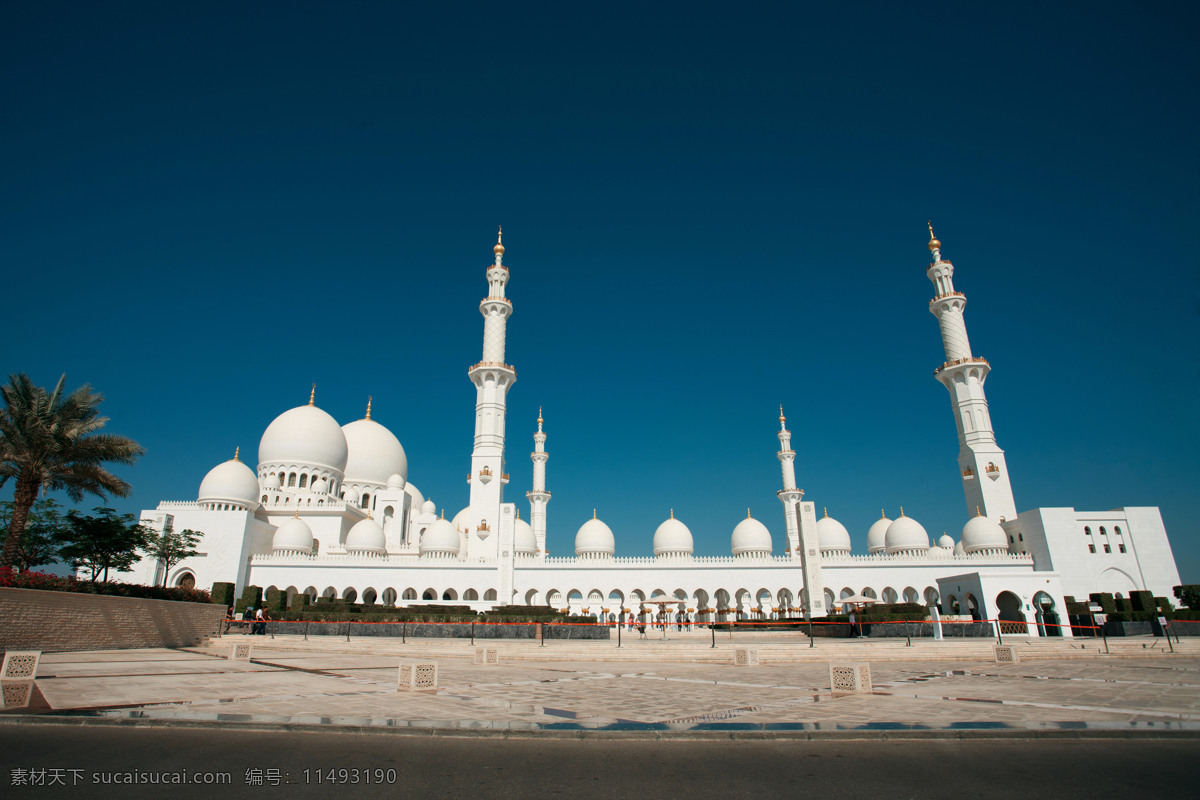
<point>540,420</point>
<point>312,396</point>
<point>236,452</point>
<point>782,418</point>
<point>934,244</point>
<point>499,248</point>
<point>368,416</point>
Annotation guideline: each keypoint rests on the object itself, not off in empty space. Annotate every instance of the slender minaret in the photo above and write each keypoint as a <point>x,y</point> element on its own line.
<point>984,473</point>
<point>539,497</point>
<point>789,495</point>
<point>492,379</point>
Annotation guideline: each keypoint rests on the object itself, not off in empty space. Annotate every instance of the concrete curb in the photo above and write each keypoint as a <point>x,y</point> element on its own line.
<point>1077,731</point>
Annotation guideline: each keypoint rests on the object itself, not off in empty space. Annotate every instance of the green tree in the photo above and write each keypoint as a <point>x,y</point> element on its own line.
<point>1188,594</point>
<point>44,529</point>
<point>51,441</point>
<point>106,541</point>
<point>170,548</point>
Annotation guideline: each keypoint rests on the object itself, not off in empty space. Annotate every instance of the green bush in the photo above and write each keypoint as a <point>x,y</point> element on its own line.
<point>300,602</point>
<point>276,602</point>
<point>222,594</point>
<point>1108,605</point>
<point>1164,606</point>
<point>1142,601</point>
<point>1124,605</point>
<point>10,578</point>
<point>895,611</point>
<point>1188,594</point>
<point>251,598</point>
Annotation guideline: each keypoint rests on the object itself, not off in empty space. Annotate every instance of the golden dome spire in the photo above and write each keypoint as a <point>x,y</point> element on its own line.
<point>443,513</point>
<point>593,513</point>
<point>882,514</point>
<point>672,513</point>
<point>368,416</point>
<point>236,452</point>
<point>934,244</point>
<point>518,513</point>
<point>540,420</point>
<point>312,396</point>
<point>782,418</point>
<point>499,248</point>
<point>902,511</point>
<point>747,513</point>
<point>978,513</point>
<point>826,512</point>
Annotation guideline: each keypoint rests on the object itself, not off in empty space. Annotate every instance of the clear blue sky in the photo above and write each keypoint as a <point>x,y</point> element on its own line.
<point>708,209</point>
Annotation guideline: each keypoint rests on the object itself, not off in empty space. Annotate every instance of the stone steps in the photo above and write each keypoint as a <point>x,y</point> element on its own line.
<point>771,650</point>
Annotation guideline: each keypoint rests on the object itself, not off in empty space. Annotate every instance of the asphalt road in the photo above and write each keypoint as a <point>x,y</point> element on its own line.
<point>85,760</point>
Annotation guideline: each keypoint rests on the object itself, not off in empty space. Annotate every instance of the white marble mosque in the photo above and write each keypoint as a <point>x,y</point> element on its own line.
<point>330,511</point>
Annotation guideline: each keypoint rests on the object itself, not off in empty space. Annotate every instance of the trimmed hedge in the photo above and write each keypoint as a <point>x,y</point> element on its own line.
<point>222,594</point>
<point>11,579</point>
<point>251,598</point>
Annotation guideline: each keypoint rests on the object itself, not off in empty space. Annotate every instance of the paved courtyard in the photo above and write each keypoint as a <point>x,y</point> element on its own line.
<point>333,684</point>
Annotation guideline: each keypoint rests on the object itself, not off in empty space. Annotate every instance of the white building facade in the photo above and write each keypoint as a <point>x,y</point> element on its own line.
<point>329,511</point>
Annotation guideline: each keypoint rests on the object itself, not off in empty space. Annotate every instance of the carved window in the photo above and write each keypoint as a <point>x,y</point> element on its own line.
<point>1091,548</point>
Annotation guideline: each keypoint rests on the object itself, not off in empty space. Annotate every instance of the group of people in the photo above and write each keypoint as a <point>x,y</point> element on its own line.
<point>662,620</point>
<point>258,619</point>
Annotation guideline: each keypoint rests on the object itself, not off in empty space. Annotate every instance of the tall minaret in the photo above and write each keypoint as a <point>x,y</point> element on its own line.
<point>789,495</point>
<point>984,473</point>
<point>539,497</point>
<point>492,379</point>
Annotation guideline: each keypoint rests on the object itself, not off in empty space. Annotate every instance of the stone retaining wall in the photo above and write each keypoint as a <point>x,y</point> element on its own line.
<point>31,619</point>
<point>435,630</point>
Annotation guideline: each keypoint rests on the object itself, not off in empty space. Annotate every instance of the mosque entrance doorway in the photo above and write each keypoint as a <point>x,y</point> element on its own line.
<point>1047,618</point>
<point>1008,610</point>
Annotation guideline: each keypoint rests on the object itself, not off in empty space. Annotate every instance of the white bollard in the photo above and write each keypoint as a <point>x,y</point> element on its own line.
<point>417,676</point>
<point>745,656</point>
<point>20,665</point>
<point>240,651</point>
<point>488,656</point>
<point>850,678</point>
<point>1006,654</point>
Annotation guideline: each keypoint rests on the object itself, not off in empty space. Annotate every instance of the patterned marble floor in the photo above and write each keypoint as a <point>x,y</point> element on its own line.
<point>287,686</point>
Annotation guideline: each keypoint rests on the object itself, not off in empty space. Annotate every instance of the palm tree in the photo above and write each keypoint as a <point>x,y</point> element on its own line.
<point>51,442</point>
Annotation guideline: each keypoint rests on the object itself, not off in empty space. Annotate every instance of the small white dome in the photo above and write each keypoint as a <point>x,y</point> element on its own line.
<point>877,535</point>
<point>750,537</point>
<point>396,481</point>
<point>293,535</point>
<point>440,538</point>
<point>320,486</point>
<point>524,542</point>
<point>958,549</point>
<point>946,541</point>
<point>304,435</point>
<point>230,482</point>
<point>672,538</point>
<point>272,481</point>
<point>595,539</point>
<point>462,520</point>
<point>938,552</point>
<point>428,507</point>
<point>366,537</point>
<point>905,533</point>
<point>374,453</point>
<point>832,535</point>
<point>982,533</point>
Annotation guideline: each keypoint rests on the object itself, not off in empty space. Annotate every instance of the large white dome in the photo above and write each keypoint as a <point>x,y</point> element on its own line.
<point>877,535</point>
<point>595,539</point>
<point>440,538</point>
<point>524,541</point>
<point>750,537</point>
<point>293,536</point>
<point>982,533</point>
<point>366,537</point>
<point>375,454</point>
<point>672,538</point>
<point>906,534</point>
<point>832,535</point>
<point>230,482</point>
<point>304,435</point>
